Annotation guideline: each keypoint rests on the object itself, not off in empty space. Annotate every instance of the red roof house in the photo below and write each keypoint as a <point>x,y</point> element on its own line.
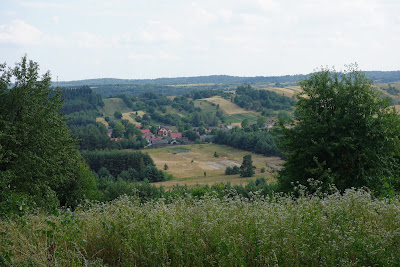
<point>145,131</point>
<point>176,135</point>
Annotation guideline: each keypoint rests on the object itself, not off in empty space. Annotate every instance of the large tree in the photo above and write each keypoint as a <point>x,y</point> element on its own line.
<point>39,160</point>
<point>343,133</point>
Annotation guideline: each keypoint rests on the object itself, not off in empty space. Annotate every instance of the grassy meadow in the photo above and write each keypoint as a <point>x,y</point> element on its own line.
<point>350,229</point>
<point>233,113</point>
<point>289,91</point>
<point>187,163</point>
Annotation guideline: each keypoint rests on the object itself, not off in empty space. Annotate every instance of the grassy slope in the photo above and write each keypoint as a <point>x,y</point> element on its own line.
<point>233,113</point>
<point>179,160</point>
<point>286,91</point>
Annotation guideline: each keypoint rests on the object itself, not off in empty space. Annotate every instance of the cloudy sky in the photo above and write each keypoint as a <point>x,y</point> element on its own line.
<point>150,39</point>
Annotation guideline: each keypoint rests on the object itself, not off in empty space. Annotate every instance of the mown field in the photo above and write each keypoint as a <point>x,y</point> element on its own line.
<point>289,91</point>
<point>233,113</point>
<point>187,163</point>
<point>350,229</point>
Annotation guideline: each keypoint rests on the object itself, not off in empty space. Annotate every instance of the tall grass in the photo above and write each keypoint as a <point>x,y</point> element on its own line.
<point>335,230</point>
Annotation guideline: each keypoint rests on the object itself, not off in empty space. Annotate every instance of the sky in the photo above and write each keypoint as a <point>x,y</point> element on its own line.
<point>140,39</point>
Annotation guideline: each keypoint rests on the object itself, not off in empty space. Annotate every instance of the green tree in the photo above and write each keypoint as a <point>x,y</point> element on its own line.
<point>245,123</point>
<point>39,160</point>
<point>247,168</point>
<point>165,167</point>
<point>118,130</point>
<point>344,133</point>
<point>261,121</point>
<point>118,114</point>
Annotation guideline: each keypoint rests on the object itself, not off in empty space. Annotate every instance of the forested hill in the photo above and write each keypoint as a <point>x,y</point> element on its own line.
<point>376,76</point>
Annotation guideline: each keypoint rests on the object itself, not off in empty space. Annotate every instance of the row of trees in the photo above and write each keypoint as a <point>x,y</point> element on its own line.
<point>260,142</point>
<point>249,98</point>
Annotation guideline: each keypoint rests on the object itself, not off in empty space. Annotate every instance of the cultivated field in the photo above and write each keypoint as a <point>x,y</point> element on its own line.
<point>188,164</point>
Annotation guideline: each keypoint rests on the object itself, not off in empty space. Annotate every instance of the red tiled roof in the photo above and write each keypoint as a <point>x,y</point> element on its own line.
<point>153,139</point>
<point>145,130</point>
<point>176,135</point>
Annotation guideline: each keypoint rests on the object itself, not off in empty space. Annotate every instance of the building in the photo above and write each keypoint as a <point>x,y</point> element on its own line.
<point>176,135</point>
<point>145,131</point>
<point>164,131</point>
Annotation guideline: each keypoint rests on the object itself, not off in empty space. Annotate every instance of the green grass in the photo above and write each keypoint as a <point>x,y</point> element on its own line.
<point>352,229</point>
<point>238,118</point>
<point>113,104</point>
<point>206,106</point>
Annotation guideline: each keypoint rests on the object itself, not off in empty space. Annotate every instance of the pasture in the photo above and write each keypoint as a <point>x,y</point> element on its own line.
<point>187,163</point>
<point>227,106</point>
<point>233,113</point>
<point>286,91</point>
<point>117,104</point>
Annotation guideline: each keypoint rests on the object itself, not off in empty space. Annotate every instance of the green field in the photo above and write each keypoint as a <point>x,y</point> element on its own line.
<point>189,162</point>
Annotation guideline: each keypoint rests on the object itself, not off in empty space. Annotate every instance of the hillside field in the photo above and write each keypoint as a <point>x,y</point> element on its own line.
<point>233,113</point>
<point>117,104</point>
<point>286,91</point>
<point>179,160</point>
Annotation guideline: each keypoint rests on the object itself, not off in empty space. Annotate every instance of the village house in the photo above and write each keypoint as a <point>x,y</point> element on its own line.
<point>149,135</point>
<point>157,142</point>
<point>164,131</point>
<point>145,131</point>
<point>176,135</point>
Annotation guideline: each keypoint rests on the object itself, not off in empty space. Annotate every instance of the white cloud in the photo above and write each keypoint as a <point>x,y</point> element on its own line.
<point>159,55</point>
<point>89,40</point>
<point>55,19</point>
<point>43,5</point>
<point>155,31</point>
<point>20,33</point>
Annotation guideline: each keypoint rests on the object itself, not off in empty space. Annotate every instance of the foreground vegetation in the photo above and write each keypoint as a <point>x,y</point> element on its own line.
<point>341,230</point>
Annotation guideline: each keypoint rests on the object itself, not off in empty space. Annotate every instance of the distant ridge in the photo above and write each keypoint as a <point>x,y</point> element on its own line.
<point>376,76</point>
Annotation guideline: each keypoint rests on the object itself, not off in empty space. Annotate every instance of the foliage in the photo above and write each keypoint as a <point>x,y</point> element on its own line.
<point>261,142</point>
<point>344,133</point>
<point>118,114</point>
<point>39,161</point>
<point>232,170</point>
<point>116,161</point>
<point>249,98</point>
<point>247,168</point>
<point>353,229</point>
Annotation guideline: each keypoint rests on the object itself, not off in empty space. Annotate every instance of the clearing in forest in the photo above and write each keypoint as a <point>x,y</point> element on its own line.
<point>187,163</point>
<point>114,104</point>
<point>227,106</point>
<point>286,91</point>
<point>102,120</point>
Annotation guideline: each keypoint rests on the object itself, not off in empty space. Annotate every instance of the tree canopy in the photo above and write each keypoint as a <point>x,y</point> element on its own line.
<point>39,160</point>
<point>343,133</point>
